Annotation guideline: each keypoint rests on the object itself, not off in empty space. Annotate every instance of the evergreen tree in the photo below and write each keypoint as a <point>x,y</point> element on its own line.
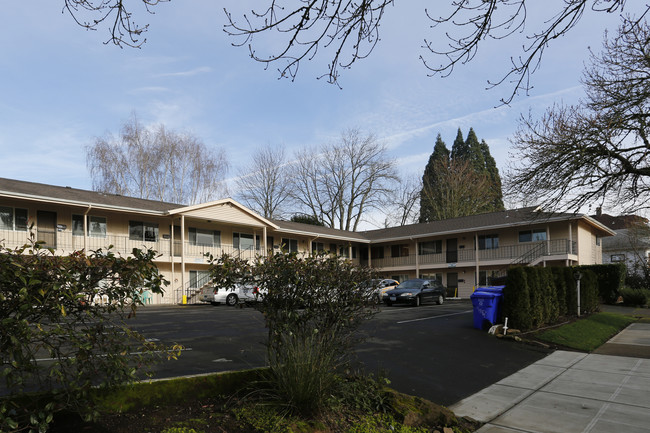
<point>493,177</point>
<point>462,182</point>
<point>432,180</point>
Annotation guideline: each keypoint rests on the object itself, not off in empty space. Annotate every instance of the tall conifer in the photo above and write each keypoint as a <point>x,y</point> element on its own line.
<point>431,180</point>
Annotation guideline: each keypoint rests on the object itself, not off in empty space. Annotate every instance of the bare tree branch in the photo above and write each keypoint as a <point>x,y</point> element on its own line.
<point>597,150</point>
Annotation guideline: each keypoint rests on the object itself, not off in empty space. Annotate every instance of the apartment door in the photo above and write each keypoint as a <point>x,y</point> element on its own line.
<point>452,250</point>
<point>46,228</point>
<point>452,284</point>
<point>178,244</point>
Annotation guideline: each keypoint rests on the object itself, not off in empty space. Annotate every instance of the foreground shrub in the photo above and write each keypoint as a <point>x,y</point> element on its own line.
<point>55,342</point>
<point>312,308</point>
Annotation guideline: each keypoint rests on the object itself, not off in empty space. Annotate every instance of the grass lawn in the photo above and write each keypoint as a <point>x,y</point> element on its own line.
<point>588,333</point>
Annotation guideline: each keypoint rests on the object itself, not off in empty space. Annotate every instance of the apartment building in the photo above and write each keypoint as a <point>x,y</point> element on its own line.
<point>462,252</point>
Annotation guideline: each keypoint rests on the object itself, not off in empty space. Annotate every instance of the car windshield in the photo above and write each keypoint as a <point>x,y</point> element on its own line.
<point>410,284</point>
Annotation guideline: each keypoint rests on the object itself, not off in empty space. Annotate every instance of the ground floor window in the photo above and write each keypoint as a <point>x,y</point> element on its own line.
<point>198,279</point>
<point>436,276</point>
<point>401,277</point>
<point>485,277</point>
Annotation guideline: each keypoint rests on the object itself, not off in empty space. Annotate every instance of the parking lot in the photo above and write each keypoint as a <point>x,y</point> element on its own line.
<point>431,351</point>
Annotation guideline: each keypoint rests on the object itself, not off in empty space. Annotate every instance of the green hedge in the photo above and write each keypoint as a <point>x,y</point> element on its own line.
<point>610,280</point>
<point>536,296</point>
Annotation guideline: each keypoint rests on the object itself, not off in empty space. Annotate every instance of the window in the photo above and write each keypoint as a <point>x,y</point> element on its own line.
<point>245,241</point>
<point>377,252</point>
<point>399,250</point>
<point>617,258</point>
<point>13,219</point>
<point>317,247</point>
<point>430,247</point>
<point>488,242</point>
<point>142,231</point>
<point>289,245</point>
<point>207,238</point>
<point>433,277</point>
<point>532,235</point>
<point>96,226</point>
<point>198,279</point>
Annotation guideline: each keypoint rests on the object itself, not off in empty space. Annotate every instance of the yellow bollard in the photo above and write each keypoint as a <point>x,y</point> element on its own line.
<point>184,299</point>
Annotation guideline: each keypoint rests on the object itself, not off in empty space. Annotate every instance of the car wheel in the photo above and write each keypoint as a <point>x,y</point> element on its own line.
<point>231,300</point>
<point>378,300</point>
<point>440,300</point>
<point>418,301</point>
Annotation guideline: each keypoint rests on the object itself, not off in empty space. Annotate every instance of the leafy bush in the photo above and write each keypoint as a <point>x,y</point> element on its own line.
<point>635,297</point>
<point>312,307</point>
<point>560,290</point>
<point>55,341</point>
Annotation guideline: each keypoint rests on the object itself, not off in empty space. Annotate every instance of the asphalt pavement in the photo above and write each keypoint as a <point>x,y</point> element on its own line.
<point>604,391</point>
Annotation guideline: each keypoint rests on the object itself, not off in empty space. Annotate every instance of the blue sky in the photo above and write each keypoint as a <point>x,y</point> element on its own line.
<point>62,86</point>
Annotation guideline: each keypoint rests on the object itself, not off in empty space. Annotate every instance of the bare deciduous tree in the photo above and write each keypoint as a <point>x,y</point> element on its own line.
<point>264,184</point>
<point>157,164</point>
<point>403,207</point>
<point>337,183</point>
<point>599,149</point>
<point>460,193</point>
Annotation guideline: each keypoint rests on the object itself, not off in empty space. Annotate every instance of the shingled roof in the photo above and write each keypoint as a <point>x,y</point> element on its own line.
<point>44,192</point>
<point>488,221</point>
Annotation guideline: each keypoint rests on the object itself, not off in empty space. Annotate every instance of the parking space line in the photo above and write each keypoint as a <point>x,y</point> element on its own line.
<point>435,317</point>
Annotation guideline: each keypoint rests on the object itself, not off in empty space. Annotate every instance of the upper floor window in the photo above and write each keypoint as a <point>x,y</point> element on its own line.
<point>289,245</point>
<point>96,226</point>
<point>399,250</point>
<point>617,257</point>
<point>13,219</point>
<point>488,242</point>
<point>377,252</point>
<point>245,241</point>
<point>143,231</point>
<point>206,238</point>
<point>532,235</point>
<point>317,247</point>
<point>430,247</point>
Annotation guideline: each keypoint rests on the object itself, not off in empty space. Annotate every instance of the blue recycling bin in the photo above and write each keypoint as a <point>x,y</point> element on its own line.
<point>487,307</point>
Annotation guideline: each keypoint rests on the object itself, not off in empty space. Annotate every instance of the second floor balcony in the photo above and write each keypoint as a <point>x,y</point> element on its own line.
<point>525,253</point>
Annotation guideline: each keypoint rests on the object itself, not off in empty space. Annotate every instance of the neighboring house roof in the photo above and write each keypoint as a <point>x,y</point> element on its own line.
<point>481,222</point>
<point>79,197</point>
<point>627,239</point>
<point>619,222</point>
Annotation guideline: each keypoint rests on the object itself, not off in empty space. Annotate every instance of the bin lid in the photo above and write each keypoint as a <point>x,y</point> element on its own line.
<point>479,294</point>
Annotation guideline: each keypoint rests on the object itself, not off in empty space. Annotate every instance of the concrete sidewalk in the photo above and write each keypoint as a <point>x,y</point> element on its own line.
<point>572,392</point>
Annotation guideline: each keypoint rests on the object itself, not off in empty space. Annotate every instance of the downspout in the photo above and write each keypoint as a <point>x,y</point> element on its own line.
<point>182,252</point>
<point>266,249</point>
<point>90,206</point>
<point>172,257</point>
<point>417,258</point>
<point>310,246</point>
<point>476,261</point>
